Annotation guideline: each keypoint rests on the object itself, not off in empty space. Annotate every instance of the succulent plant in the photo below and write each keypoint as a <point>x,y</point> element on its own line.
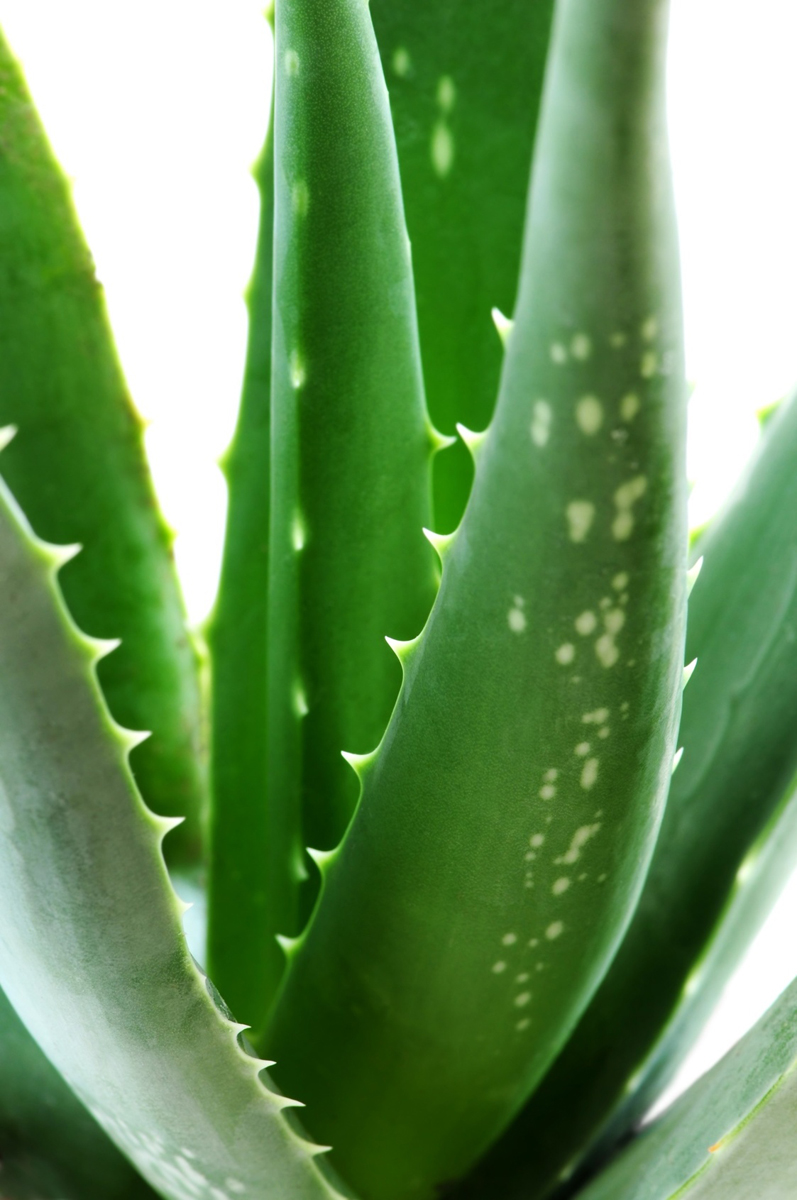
<point>463,910</point>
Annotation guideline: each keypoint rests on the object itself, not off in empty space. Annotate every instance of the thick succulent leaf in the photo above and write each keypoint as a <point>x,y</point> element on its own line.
<point>464,103</point>
<point>507,819</point>
<point>92,955</point>
<point>727,843</point>
<point>77,464</point>
<point>50,1146</point>
<point>240,934</point>
<point>351,443</point>
<point>731,1136</point>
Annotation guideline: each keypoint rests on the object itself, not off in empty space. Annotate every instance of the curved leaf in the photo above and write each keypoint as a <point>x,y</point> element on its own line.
<point>78,468</point>
<point>727,843</point>
<point>731,1136</point>
<point>507,818</point>
<point>240,927</point>
<point>351,443</point>
<point>92,955</point>
<point>50,1147</point>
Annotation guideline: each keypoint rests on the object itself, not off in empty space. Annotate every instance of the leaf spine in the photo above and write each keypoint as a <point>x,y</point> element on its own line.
<point>689,671</point>
<point>7,434</point>
<point>360,763</point>
<point>323,858</point>
<point>164,825</point>
<point>503,325</point>
<point>131,738</point>
<point>289,945</point>
<point>437,440</point>
<point>404,650</point>
<point>692,574</point>
<point>100,648</point>
<point>473,441</point>
<point>441,543</point>
<point>676,758</point>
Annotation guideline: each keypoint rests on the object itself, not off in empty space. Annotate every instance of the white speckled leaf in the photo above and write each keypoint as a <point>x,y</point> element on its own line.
<point>508,816</point>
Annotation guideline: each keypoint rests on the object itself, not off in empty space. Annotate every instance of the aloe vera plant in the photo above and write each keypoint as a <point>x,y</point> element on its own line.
<point>460,908</point>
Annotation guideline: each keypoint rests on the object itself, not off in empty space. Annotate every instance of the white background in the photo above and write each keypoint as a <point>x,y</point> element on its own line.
<point>157,109</point>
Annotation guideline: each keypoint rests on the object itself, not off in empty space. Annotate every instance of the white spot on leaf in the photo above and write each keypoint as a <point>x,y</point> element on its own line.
<point>516,619</point>
<point>560,886</point>
<point>580,515</point>
<point>606,650</point>
<point>581,346</point>
<point>446,93</point>
<point>401,62</point>
<point>578,842</point>
<point>614,620</point>
<point>589,774</point>
<point>586,623</point>
<point>541,423</point>
<point>442,149</point>
<point>589,415</point>
<point>625,498</point>
<point>554,930</point>
<point>629,406</point>
<point>565,653</point>
<point>649,364</point>
<point>558,354</point>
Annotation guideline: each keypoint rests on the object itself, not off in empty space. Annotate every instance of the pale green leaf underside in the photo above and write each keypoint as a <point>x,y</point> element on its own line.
<point>731,1136</point>
<point>92,954</point>
<point>50,1146</point>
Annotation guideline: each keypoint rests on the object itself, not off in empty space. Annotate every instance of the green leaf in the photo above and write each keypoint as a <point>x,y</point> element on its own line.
<point>50,1147</point>
<point>507,819</point>
<point>731,1136</point>
<point>92,955</point>
<point>78,468</point>
<point>727,844</point>
<point>465,95</point>
<point>351,443</point>
<point>240,927</point>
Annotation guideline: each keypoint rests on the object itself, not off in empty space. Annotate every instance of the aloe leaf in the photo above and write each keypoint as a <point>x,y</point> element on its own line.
<point>351,442</point>
<point>731,1135</point>
<point>727,843</point>
<point>465,109</point>
<point>92,955</point>
<point>240,935</point>
<point>508,816</point>
<point>62,386</point>
<point>50,1146</point>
